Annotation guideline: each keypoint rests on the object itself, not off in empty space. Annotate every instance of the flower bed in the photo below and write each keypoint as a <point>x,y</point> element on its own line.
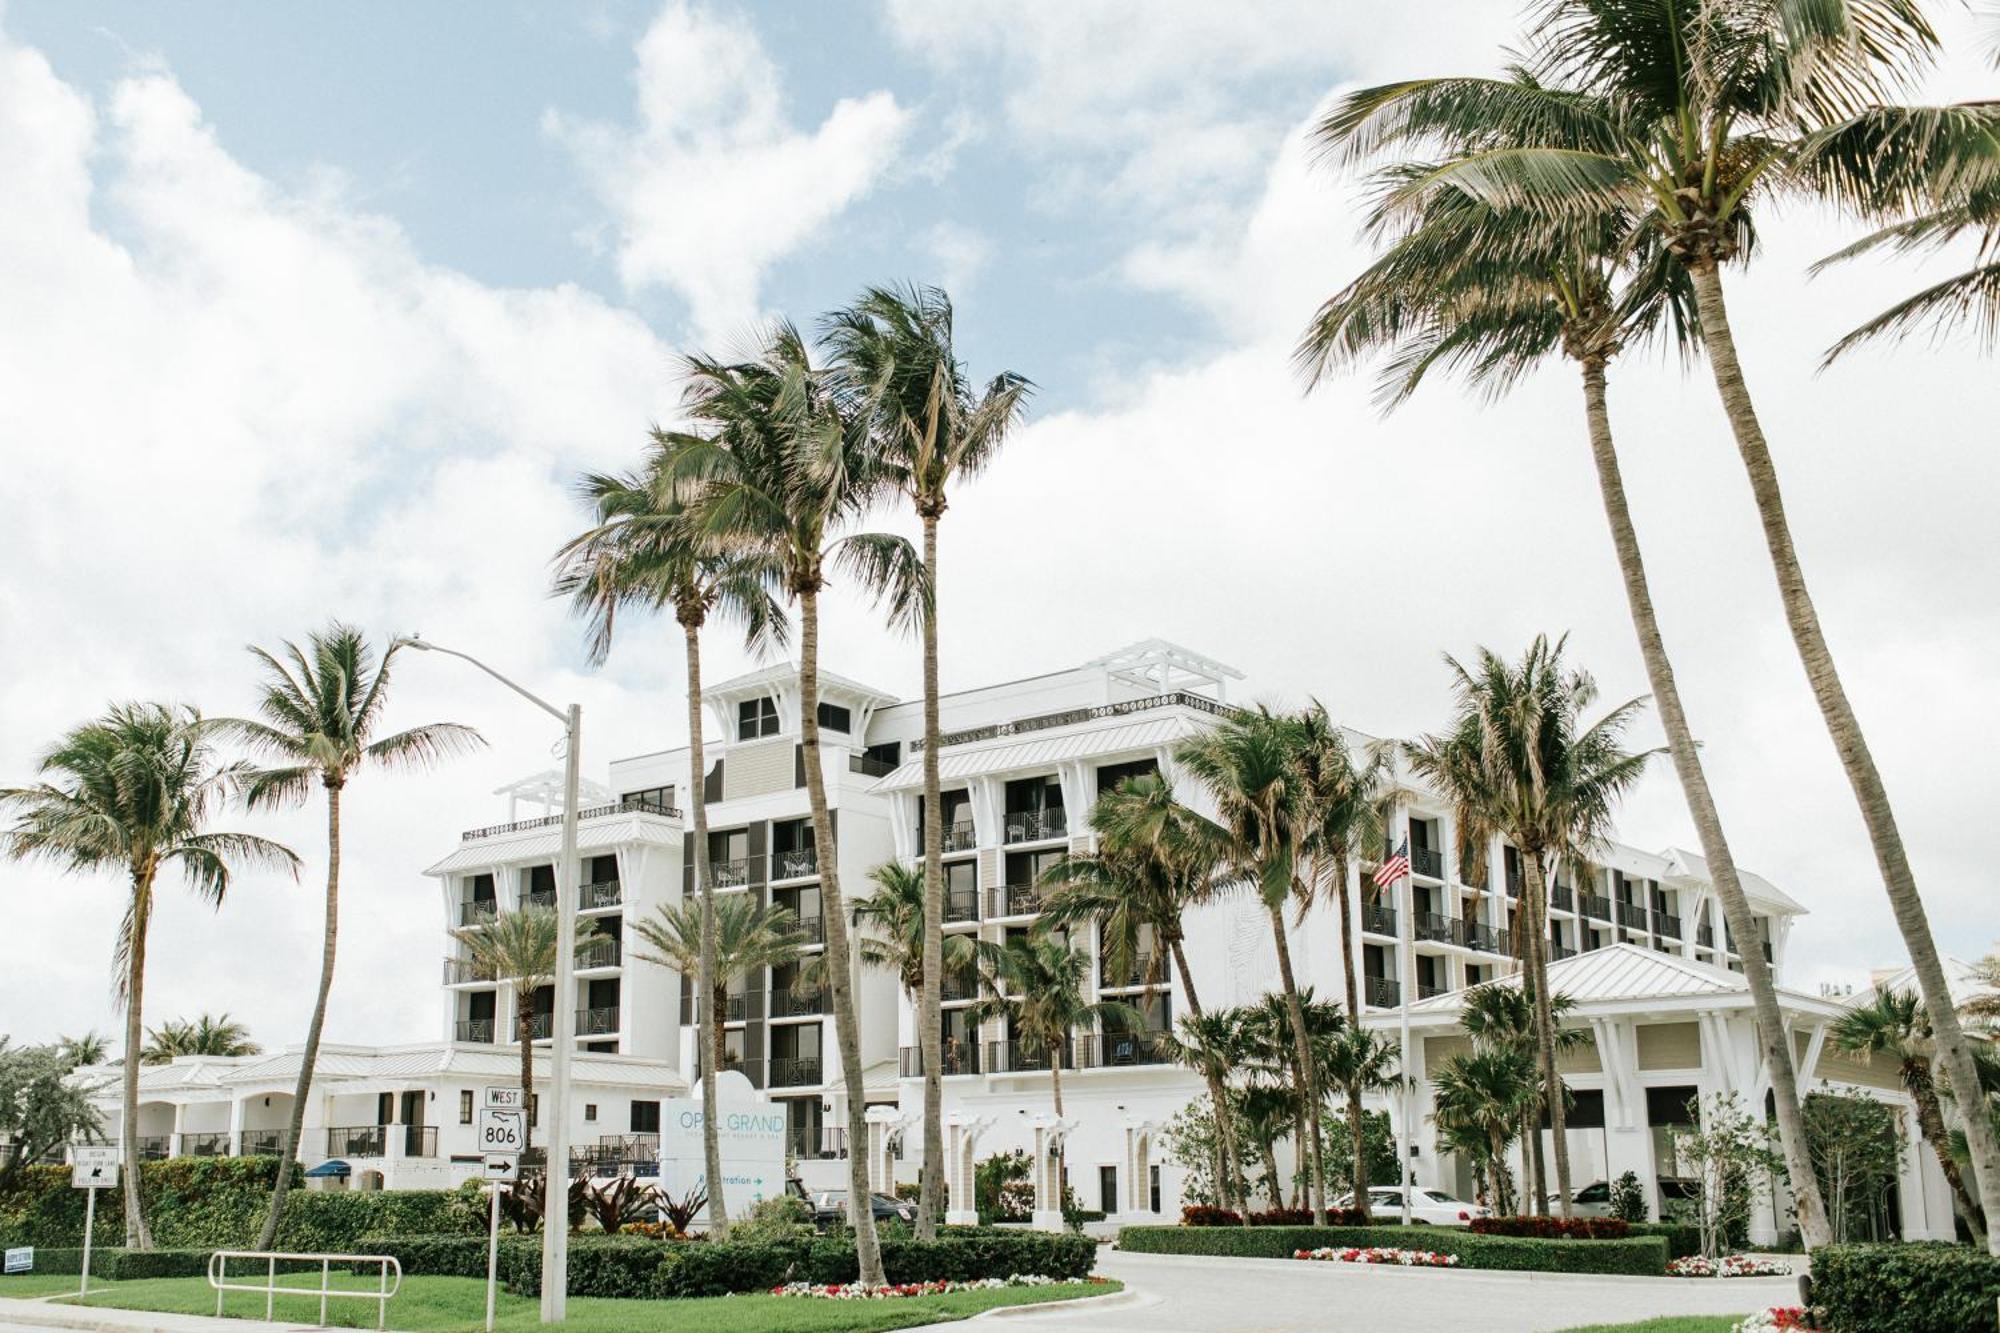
<point>855,1291</point>
<point>1730,1265</point>
<point>1644,1256</point>
<point>1778,1319</point>
<point>1379,1254</point>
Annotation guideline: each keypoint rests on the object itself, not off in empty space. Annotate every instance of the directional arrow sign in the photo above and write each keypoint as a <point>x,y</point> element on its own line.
<point>93,1168</point>
<point>501,1166</point>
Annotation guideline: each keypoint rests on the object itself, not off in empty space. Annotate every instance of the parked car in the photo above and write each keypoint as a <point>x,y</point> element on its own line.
<point>1593,1200</point>
<point>830,1207</point>
<point>1428,1207</point>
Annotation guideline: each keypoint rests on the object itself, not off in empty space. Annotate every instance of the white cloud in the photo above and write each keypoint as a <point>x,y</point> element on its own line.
<point>714,184</point>
<point>961,254</point>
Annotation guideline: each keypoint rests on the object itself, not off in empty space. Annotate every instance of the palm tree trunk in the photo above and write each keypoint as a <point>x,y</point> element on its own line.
<point>1844,728</point>
<point>1537,896</point>
<point>705,978</point>
<point>1352,986</point>
<point>309,1060</point>
<point>1930,1118</point>
<point>1503,1190</point>
<point>524,1023</point>
<point>1308,1074</point>
<point>1534,1169</point>
<point>930,1010</point>
<point>846,1017</point>
<point>1228,1184</point>
<point>138,1235</point>
<point>1715,848</point>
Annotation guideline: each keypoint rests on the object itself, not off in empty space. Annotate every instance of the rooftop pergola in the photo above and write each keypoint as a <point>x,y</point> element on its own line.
<point>546,789</point>
<point>1168,668</point>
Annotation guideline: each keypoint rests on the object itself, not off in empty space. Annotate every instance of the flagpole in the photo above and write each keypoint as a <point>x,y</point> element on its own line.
<point>1408,941</point>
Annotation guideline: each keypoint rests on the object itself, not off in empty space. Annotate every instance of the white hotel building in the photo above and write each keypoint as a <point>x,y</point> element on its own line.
<point>1638,940</point>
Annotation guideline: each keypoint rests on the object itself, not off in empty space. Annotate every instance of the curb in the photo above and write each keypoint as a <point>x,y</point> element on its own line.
<point>1131,1297</point>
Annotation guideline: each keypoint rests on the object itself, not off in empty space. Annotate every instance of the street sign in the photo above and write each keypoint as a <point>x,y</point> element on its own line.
<point>502,1133</point>
<point>93,1168</point>
<point>502,1166</point>
<point>506,1099</point>
<point>21,1260</point>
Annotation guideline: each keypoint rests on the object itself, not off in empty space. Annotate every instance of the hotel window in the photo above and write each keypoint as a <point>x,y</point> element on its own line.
<point>835,718</point>
<point>590,1110</point>
<point>756,717</point>
<point>465,1106</point>
<point>645,1117</point>
<point>662,797</point>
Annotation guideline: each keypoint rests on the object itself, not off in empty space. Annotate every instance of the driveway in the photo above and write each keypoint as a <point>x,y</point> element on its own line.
<point>1203,1295</point>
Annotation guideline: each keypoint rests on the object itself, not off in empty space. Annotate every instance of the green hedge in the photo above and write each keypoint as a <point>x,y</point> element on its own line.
<point>114,1264</point>
<point>1646,1255</point>
<point>1683,1239</point>
<point>1907,1288</point>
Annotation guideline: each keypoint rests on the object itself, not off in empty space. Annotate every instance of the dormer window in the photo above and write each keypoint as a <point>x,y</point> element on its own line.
<point>756,717</point>
<point>832,717</point>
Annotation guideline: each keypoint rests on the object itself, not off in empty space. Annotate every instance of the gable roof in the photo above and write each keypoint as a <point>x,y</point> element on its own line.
<point>1621,972</point>
<point>1691,865</point>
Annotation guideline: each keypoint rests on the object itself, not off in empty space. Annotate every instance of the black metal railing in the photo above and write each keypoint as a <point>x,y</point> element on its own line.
<point>958,986</point>
<point>870,766</point>
<point>1705,936</point>
<point>625,807</point>
<point>1380,919</point>
<point>543,900</point>
<point>1667,925</point>
<point>154,1147</point>
<point>1427,861</point>
<point>1015,1057</point>
<point>750,1069</point>
<point>461,971</point>
<point>733,874</point>
<point>1513,881</point>
<point>794,1002</point>
<point>1116,1050</point>
<point>798,863</point>
<point>1071,716</point>
<point>599,1022</point>
<point>812,929</point>
<point>357,1141</point>
<point>960,837</point>
<point>1382,992</point>
<point>1563,897</point>
<point>477,912</point>
<point>1631,915</point>
<point>792,1071</point>
<point>1012,900</point>
<point>961,906</point>
<point>540,1026</point>
<point>604,893</point>
<point>956,1057</point>
<point>476,1030</point>
<point>1596,905</point>
<point>420,1141</point>
<point>1478,935</point>
<point>1560,951</point>
<point>205,1145</point>
<point>1433,926</point>
<point>1036,825</point>
<point>737,1006</point>
<point>1426,991</point>
<point>260,1142</point>
<point>601,951</point>
<point>1143,969</point>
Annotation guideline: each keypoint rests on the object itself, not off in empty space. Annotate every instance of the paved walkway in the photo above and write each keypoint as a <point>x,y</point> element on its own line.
<point>97,1319</point>
<point>1184,1294</point>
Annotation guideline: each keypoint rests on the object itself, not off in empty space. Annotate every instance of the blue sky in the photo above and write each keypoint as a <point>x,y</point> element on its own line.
<point>317,311</point>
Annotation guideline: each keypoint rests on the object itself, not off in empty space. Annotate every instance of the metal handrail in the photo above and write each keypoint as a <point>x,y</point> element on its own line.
<point>631,807</point>
<point>1036,825</point>
<point>386,1264</point>
<point>1043,721</point>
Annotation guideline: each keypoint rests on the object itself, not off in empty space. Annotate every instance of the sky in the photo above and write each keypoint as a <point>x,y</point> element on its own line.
<point>316,312</point>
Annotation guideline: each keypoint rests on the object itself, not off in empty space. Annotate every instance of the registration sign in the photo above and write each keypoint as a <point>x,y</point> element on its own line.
<point>21,1260</point>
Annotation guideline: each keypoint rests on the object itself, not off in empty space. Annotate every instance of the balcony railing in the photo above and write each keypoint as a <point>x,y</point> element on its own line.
<point>750,1069</point>
<point>1432,926</point>
<point>1631,915</point>
<point>1668,926</point>
<point>475,1030</point>
<point>477,912</point>
<point>1478,935</point>
<point>793,1071</point>
<point>958,986</point>
<point>737,1006</point>
<point>1596,905</point>
<point>1144,969</point>
<point>791,1002</point>
<point>154,1147</point>
<point>1705,936</point>
<point>961,906</point>
<point>602,951</point>
<point>956,1057</point>
<point>259,1142</point>
<point>1560,951</point>
<point>540,1026</point>
<point>461,971</point>
<point>798,863</point>
<point>1036,825</point>
<point>604,893</point>
<point>357,1141</point>
<point>1115,1050</point>
<point>734,874</point>
<point>539,900</point>
<point>869,766</point>
<point>1425,990</point>
<point>599,1022</point>
<point>420,1140</point>
<point>1427,861</point>
<point>1377,918</point>
<point>1382,992</point>
<point>632,806</point>
<point>1012,900</point>
<point>205,1145</point>
<point>1014,1057</point>
<point>1563,897</point>
<point>1513,881</point>
<point>960,837</point>
<point>1072,716</point>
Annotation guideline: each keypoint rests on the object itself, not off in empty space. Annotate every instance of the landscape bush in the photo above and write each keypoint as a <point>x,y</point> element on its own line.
<point>116,1264</point>
<point>1683,1238</point>
<point>1905,1288</point>
<point>1553,1228</point>
<point>1201,1215</point>
<point>1646,1255</point>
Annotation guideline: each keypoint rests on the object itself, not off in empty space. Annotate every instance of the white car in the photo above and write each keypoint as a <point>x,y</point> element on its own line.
<point>1428,1207</point>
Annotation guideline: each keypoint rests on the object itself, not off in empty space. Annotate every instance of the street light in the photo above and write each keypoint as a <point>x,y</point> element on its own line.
<point>555,1231</point>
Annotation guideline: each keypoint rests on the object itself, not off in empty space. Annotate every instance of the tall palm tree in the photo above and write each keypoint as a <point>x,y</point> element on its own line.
<point>207,1034</point>
<point>1039,984</point>
<point>893,354</point>
<point>318,708</point>
<point>1361,1061</point>
<point>1268,1114</point>
<point>132,792</point>
<point>1212,1043</point>
<point>1520,760</point>
<point>640,553</point>
<point>1692,115</point>
<point>784,473</point>
<point>519,948</point>
<point>1486,1094</point>
<point>897,912</point>
<point>92,1048</point>
<point>1248,764</point>
<point>1498,1016</point>
<point>1895,1025</point>
<point>1495,293</point>
<point>747,938</point>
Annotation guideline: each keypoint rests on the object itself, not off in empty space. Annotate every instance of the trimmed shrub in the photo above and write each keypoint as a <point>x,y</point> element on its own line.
<point>1643,1255</point>
<point>1202,1215</point>
<point>1282,1217</point>
<point>1552,1228</point>
<point>336,1220</point>
<point>1905,1288</point>
<point>114,1264</point>
<point>1683,1238</point>
<point>444,1256</point>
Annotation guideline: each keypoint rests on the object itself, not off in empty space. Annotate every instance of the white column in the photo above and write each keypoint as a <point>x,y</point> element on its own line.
<point>1050,1134</point>
<point>962,1134</point>
<point>886,1125</point>
<point>180,1121</point>
<point>1137,1169</point>
<point>235,1148</point>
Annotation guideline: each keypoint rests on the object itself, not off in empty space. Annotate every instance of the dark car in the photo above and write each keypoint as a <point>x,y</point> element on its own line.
<point>830,1207</point>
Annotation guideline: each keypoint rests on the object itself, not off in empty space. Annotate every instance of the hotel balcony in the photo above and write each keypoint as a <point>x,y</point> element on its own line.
<point>796,1071</point>
<point>599,896</point>
<point>1036,825</point>
<point>205,1145</point>
<point>1426,991</point>
<point>960,837</point>
<point>1705,936</point>
<point>1558,952</point>
<point>1478,935</point>
<point>961,906</point>
<point>1667,926</point>
<point>1513,881</point>
<point>1435,927</point>
<point>1563,897</point>
<point>1382,992</point>
<point>630,806</point>
<point>600,952</point>
<point>1427,861</point>
<point>956,1057</point>
<point>462,972</point>
<point>358,1141</point>
<point>475,1031</point>
<point>737,1007</point>
<point>259,1142</point>
<point>477,913</point>
<point>1119,1050</point>
<point>1012,900</point>
<point>1145,969</point>
<point>1631,915</point>
<point>1379,919</point>
<point>798,863</point>
<point>750,1069</point>
<point>1014,1057</point>
<point>793,1002</point>
<point>155,1147</point>
<point>539,900</point>
<point>957,987</point>
<point>599,1022</point>
<point>1596,905</point>
<point>730,874</point>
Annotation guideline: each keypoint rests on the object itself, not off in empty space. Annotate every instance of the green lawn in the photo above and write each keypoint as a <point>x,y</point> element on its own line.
<point>1687,1323</point>
<point>427,1303</point>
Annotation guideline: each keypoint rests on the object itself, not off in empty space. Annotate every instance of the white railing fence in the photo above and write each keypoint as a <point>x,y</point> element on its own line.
<point>389,1279</point>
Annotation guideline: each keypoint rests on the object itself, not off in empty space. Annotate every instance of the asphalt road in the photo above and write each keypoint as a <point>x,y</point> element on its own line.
<point>1202,1295</point>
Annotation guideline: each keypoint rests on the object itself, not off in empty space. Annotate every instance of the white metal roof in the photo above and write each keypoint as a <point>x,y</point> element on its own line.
<point>1621,972</point>
<point>1012,753</point>
<point>544,844</point>
<point>1756,888</point>
<point>1959,977</point>
<point>787,673</point>
<point>360,1068</point>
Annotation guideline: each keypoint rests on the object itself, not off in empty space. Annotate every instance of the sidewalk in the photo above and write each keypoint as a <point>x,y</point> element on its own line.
<point>47,1314</point>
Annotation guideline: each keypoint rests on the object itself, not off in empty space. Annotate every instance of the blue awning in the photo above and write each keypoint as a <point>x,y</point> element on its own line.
<point>336,1167</point>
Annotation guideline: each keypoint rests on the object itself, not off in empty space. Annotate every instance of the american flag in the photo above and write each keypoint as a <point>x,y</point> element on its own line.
<point>1394,867</point>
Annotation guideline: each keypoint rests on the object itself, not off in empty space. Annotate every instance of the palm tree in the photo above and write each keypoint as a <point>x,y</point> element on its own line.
<point>896,911</point>
<point>1496,293</point>
<point>1498,1016</point>
<point>133,791</point>
<point>1039,985</point>
<point>1248,764</point>
<point>1362,1062</point>
<point>1268,1114</point>
<point>519,948</point>
<point>92,1048</point>
<point>1691,116</point>
<point>1484,1096</point>
<point>1519,760</point>
<point>747,937</point>
<point>893,355</point>
<point>785,472</point>
<point>1895,1025</point>
<point>318,709</point>
<point>640,553</point>
<point>1212,1043</point>
<point>208,1034</point>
